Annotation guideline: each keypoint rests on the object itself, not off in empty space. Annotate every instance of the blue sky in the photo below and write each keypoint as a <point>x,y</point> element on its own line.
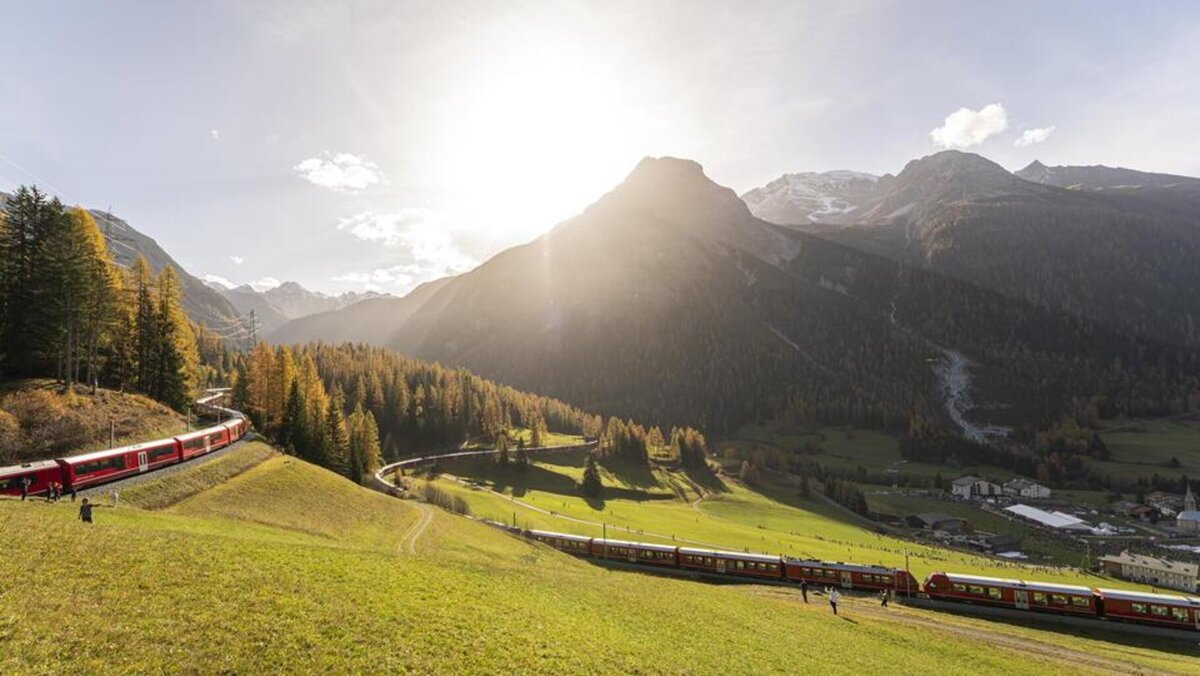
<point>379,144</point>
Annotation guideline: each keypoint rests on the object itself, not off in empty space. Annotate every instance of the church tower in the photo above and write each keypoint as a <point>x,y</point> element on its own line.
<point>1189,499</point>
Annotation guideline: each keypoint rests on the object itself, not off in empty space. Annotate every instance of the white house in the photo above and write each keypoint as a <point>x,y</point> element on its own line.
<point>1024,488</point>
<point>973,487</point>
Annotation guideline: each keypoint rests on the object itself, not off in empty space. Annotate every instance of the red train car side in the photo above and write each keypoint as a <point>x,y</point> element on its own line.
<point>578,545</point>
<point>203,441</point>
<point>40,474</point>
<point>851,576</point>
<point>635,552</point>
<point>731,563</point>
<point>81,471</point>
<point>1042,597</point>
<point>1163,610</point>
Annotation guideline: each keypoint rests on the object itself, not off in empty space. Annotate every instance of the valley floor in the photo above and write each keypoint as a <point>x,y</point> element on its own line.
<point>286,567</point>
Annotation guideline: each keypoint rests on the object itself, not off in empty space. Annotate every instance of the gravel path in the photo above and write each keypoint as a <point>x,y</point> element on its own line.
<point>108,488</point>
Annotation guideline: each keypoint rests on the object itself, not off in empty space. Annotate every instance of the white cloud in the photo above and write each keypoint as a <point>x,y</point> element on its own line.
<point>343,172</point>
<point>965,127</point>
<point>217,279</point>
<point>264,284</point>
<point>237,260</point>
<point>215,134</point>
<point>425,238</point>
<point>1033,136</point>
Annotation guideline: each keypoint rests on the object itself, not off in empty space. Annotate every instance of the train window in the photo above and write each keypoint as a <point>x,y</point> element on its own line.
<point>976,589</point>
<point>740,565</point>
<point>994,592</point>
<point>1039,597</point>
<point>960,588</point>
<point>117,462</point>
<point>1082,601</point>
<point>1181,614</point>
<point>1138,608</point>
<point>1160,611</point>
<point>160,453</point>
<point>1060,599</point>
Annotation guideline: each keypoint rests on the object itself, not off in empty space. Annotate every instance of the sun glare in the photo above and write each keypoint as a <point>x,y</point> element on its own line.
<point>537,132</point>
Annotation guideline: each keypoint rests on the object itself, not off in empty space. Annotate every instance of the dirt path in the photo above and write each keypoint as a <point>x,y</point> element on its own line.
<point>413,534</point>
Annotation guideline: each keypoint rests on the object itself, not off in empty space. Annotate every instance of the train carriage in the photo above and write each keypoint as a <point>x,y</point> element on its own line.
<point>1042,597</point>
<point>89,469</point>
<point>850,576</point>
<point>40,473</point>
<point>203,441</point>
<point>237,428</point>
<point>635,552</point>
<point>731,563</point>
<point>1164,610</point>
<point>578,545</point>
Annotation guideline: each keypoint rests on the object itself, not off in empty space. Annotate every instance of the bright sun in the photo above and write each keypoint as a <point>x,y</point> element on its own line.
<point>536,134</point>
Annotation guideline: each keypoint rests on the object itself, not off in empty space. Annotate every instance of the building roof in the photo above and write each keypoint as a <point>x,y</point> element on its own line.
<point>1022,482</point>
<point>936,517</point>
<point>1049,519</point>
<point>965,481</point>
<point>1192,515</point>
<point>1154,563</point>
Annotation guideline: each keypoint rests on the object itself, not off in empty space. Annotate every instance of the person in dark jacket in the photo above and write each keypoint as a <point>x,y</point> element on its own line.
<point>883,598</point>
<point>85,511</point>
<point>804,589</point>
<point>25,487</point>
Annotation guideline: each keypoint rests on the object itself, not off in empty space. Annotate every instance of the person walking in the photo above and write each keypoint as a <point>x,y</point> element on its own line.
<point>85,511</point>
<point>883,598</point>
<point>804,589</point>
<point>834,597</point>
<point>25,487</point>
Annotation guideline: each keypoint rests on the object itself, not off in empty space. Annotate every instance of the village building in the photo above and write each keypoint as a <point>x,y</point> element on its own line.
<point>969,487</point>
<point>1167,504</point>
<point>1024,488</point>
<point>1053,520</point>
<point>1153,570</point>
<point>939,521</point>
<point>1188,520</point>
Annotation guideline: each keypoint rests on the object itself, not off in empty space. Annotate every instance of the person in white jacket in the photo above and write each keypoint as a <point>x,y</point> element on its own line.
<point>834,597</point>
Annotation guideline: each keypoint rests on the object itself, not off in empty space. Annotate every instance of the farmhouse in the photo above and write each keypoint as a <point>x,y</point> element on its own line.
<point>939,521</point>
<point>1024,488</point>
<point>1152,570</point>
<point>969,487</point>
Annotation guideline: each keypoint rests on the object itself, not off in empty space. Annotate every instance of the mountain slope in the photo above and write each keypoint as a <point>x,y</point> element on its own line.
<point>247,300</point>
<point>202,303</point>
<point>795,199</point>
<point>1127,258</point>
<point>667,300</point>
<point>1100,177</point>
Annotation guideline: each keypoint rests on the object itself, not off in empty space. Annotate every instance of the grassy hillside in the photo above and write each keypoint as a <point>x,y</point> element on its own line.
<point>661,507</point>
<point>286,567</point>
<point>38,420</point>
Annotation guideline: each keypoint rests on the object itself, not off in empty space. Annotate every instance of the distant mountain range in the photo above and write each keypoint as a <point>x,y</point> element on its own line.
<point>1113,245</point>
<point>668,300</point>
<point>276,306</point>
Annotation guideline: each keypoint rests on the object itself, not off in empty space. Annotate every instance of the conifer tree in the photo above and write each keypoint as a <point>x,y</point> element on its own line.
<point>337,437</point>
<point>146,329</point>
<point>591,485</point>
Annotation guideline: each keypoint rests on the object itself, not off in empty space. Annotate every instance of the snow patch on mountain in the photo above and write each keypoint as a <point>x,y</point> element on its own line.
<point>807,197</point>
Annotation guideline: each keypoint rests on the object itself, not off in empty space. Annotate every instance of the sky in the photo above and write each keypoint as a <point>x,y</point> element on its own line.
<point>376,145</point>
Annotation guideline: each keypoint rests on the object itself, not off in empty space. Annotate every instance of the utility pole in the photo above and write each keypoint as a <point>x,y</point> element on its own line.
<point>112,433</point>
<point>189,418</point>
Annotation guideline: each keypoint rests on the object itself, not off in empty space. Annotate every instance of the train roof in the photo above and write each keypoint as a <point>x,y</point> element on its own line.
<point>639,545</point>
<point>564,536</point>
<point>107,453</point>
<point>1126,595</point>
<point>201,433</point>
<point>744,556</point>
<point>1022,584</point>
<point>27,467</point>
<point>838,565</point>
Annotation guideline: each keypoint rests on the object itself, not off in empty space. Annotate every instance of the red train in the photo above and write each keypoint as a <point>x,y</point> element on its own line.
<point>733,564</point>
<point>1160,610</point>
<point>91,469</point>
